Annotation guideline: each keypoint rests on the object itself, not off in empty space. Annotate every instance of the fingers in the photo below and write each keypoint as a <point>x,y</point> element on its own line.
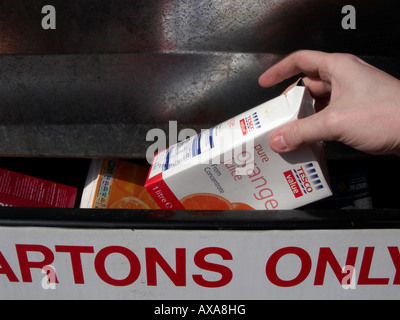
<point>317,87</point>
<point>315,65</point>
<point>299,133</point>
<point>305,61</point>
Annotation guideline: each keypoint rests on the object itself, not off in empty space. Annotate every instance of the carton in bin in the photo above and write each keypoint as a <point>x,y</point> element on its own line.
<point>232,167</point>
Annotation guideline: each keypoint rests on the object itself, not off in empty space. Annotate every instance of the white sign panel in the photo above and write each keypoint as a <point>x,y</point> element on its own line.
<point>55,263</point>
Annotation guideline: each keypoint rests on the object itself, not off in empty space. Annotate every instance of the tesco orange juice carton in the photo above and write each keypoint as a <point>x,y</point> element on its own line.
<point>231,166</point>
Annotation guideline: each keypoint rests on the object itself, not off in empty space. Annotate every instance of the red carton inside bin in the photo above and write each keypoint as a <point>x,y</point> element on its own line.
<point>20,190</point>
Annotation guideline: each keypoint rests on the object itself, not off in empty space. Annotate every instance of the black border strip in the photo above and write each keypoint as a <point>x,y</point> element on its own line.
<point>201,220</point>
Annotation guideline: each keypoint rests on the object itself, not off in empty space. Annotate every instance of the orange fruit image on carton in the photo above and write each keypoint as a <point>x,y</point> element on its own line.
<point>205,201</point>
<point>211,201</point>
<point>128,203</point>
<point>121,186</point>
<point>241,206</point>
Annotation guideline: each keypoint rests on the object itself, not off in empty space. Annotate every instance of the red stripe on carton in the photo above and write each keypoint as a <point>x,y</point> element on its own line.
<point>162,194</point>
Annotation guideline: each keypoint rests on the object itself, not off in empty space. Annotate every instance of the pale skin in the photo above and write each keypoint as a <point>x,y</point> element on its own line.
<point>357,103</point>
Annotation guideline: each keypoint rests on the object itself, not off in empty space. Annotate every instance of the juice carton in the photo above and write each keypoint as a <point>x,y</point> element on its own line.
<point>231,166</point>
<point>116,184</point>
<point>22,190</point>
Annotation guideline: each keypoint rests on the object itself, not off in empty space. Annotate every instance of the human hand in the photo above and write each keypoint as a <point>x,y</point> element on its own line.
<point>357,103</point>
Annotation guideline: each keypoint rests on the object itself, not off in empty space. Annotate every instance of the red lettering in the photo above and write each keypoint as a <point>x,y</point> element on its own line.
<point>300,171</point>
<point>25,265</point>
<point>75,252</point>
<point>276,256</point>
<point>153,258</point>
<point>395,254</point>
<point>364,278</point>
<point>243,127</point>
<point>326,256</point>
<point>224,271</point>
<point>6,269</point>
<point>250,123</point>
<point>99,264</point>
<point>308,187</point>
<point>32,256</point>
<point>294,186</point>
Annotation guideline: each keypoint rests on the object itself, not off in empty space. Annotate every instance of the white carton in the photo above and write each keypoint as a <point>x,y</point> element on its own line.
<point>231,166</point>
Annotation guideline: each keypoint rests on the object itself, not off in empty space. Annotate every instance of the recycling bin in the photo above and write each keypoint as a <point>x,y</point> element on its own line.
<point>91,80</point>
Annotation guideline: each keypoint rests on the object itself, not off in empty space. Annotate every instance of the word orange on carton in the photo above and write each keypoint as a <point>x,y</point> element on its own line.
<point>231,166</point>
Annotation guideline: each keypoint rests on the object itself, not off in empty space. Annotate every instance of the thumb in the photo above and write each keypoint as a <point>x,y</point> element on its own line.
<point>298,133</point>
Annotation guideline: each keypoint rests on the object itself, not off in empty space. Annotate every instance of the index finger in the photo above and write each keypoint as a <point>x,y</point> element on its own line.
<point>304,61</point>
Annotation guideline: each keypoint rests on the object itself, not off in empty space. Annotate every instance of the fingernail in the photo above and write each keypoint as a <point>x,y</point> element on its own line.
<point>280,143</point>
